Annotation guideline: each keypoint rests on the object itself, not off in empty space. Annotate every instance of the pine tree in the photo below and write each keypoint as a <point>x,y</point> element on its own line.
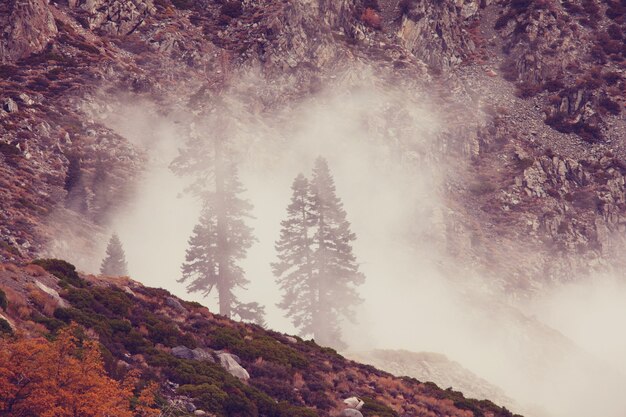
<point>294,271</point>
<point>221,239</point>
<point>316,268</point>
<point>114,262</point>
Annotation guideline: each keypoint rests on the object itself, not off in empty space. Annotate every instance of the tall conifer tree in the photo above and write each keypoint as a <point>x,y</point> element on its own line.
<point>316,267</point>
<point>221,238</point>
<point>294,270</point>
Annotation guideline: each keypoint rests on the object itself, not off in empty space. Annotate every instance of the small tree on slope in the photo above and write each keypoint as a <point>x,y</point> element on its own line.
<point>316,268</point>
<point>114,262</point>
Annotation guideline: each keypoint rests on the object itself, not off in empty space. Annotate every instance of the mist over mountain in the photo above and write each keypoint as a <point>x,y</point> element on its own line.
<point>475,150</point>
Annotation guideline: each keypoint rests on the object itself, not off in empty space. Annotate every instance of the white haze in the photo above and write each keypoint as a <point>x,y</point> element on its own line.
<point>389,182</point>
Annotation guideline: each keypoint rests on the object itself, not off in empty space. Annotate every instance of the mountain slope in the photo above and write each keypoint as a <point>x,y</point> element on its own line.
<point>148,330</point>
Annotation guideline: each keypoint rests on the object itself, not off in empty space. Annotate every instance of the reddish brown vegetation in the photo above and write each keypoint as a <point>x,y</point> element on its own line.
<point>63,378</point>
<point>371,18</point>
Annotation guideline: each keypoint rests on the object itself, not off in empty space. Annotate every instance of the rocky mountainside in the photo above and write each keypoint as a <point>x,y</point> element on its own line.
<point>205,364</point>
<point>530,93</point>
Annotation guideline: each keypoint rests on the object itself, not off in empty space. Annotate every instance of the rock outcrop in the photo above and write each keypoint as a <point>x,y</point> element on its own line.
<point>27,27</point>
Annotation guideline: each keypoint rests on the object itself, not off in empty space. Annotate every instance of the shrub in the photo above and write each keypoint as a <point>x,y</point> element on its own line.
<point>553,85</point>
<point>376,408</point>
<point>587,132</point>
<point>9,150</point>
<point>3,300</point>
<point>615,11</point>
<point>276,388</point>
<point>208,397</point>
<point>183,4</point>
<point>502,21</point>
<point>225,337</point>
<point>481,186</point>
<point>8,71</point>
<point>232,9</point>
<point>609,105</point>
<point>51,323</point>
<point>591,7</point>
<point>612,77</point>
<point>371,18</point>
<point>509,71</point>
<point>598,54</point>
<point>65,271</point>
<point>612,46</point>
<point>615,32</point>
<point>29,368</point>
<point>371,4</point>
<point>5,327</point>
<point>407,5</point>
<point>318,398</point>
<point>527,89</point>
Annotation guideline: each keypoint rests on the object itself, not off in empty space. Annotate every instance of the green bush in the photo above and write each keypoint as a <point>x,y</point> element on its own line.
<point>116,318</point>
<point>376,408</point>
<point>259,347</point>
<point>51,323</point>
<point>208,397</point>
<point>65,271</point>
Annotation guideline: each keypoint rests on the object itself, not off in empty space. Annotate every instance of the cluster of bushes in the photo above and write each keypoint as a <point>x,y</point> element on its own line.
<point>116,317</point>
<point>65,271</point>
<point>480,408</point>
<point>216,391</point>
<point>376,408</point>
<point>586,131</point>
<point>127,324</point>
<point>258,347</point>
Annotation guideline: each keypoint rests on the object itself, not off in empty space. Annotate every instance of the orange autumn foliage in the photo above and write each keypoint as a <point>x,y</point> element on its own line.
<point>63,379</point>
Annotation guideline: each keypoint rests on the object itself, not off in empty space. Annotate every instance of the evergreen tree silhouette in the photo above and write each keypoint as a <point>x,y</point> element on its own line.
<point>114,262</point>
<point>316,269</point>
<point>221,238</point>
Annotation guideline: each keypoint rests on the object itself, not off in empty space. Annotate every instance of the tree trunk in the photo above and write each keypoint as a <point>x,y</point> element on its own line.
<point>223,279</point>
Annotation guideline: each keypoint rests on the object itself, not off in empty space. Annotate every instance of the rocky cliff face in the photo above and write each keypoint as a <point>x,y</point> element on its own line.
<point>529,91</point>
<point>28,26</point>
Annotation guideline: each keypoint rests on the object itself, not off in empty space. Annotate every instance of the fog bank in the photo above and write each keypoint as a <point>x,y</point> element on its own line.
<point>566,360</point>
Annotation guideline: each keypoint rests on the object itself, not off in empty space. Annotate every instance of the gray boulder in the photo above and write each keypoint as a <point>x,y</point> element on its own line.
<point>200,354</point>
<point>350,412</point>
<point>175,304</point>
<point>229,363</point>
<point>10,105</point>
<point>182,352</point>
<point>235,357</point>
